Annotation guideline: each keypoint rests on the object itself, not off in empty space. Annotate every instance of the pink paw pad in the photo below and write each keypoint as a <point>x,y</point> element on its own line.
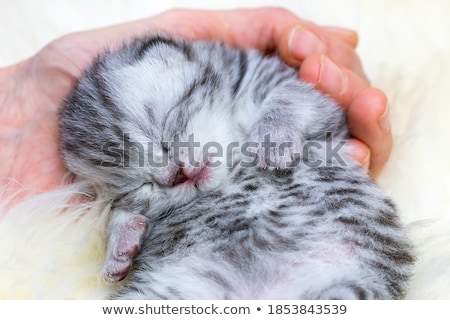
<point>123,247</point>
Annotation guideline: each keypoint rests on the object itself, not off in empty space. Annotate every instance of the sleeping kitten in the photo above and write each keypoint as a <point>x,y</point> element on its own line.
<point>140,125</point>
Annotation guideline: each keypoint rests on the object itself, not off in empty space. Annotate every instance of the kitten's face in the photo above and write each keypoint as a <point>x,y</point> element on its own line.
<point>192,163</point>
<point>167,127</point>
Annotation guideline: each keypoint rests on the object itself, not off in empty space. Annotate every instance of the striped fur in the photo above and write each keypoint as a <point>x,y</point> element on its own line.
<point>306,233</point>
<point>319,230</point>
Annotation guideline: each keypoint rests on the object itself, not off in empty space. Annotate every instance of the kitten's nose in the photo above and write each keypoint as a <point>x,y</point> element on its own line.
<point>180,177</point>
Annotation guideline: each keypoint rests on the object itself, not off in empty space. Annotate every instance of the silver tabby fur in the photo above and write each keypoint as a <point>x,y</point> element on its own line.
<point>317,230</point>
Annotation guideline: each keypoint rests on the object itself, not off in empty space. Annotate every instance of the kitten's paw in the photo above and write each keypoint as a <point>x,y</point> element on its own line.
<point>280,158</point>
<point>276,151</point>
<point>115,271</point>
<point>123,246</point>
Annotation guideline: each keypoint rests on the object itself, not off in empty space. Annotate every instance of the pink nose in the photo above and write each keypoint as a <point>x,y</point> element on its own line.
<point>180,177</point>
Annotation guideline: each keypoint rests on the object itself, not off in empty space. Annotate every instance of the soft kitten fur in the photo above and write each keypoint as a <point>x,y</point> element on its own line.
<point>307,232</point>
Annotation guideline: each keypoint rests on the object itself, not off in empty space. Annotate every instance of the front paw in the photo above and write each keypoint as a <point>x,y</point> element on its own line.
<point>123,245</point>
<point>276,151</point>
<point>116,270</point>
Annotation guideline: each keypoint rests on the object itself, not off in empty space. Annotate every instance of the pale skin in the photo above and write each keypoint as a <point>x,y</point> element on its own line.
<point>31,91</point>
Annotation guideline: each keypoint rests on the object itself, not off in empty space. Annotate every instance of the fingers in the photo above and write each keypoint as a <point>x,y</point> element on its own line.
<point>333,79</point>
<point>367,108</point>
<point>347,35</point>
<point>360,152</point>
<point>298,42</point>
<point>368,118</point>
<point>328,60</point>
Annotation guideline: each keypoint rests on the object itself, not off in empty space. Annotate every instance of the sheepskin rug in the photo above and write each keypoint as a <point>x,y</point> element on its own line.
<point>51,249</point>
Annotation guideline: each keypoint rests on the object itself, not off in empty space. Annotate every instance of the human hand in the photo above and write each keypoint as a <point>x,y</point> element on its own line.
<point>32,91</point>
<point>333,66</point>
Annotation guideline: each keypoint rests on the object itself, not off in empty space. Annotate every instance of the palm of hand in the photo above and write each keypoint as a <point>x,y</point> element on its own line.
<point>29,116</point>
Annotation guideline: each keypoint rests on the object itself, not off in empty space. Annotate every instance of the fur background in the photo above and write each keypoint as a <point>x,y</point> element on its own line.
<point>51,250</point>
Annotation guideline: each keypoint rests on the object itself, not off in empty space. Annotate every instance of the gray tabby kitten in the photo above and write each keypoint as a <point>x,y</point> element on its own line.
<point>202,224</point>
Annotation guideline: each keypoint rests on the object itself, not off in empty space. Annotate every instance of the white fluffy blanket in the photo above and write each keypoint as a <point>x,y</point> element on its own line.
<point>405,47</point>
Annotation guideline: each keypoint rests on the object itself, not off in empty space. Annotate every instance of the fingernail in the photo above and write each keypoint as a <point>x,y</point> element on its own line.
<point>384,121</point>
<point>359,152</point>
<point>341,30</point>
<point>303,43</point>
<point>351,36</point>
<point>332,79</point>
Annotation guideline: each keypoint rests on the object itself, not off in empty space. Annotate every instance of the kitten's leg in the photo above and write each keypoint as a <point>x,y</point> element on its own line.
<point>290,114</point>
<point>277,148</point>
<point>279,131</point>
<point>125,233</point>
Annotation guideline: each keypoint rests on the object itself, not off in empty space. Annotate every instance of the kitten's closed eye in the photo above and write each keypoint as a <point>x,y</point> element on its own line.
<point>147,184</point>
<point>165,147</point>
<point>180,177</point>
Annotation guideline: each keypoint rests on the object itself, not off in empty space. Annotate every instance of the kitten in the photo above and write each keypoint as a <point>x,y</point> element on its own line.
<point>140,124</point>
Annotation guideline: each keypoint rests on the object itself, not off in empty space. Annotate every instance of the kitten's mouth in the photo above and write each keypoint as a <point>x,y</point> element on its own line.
<point>197,176</point>
<point>180,177</point>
